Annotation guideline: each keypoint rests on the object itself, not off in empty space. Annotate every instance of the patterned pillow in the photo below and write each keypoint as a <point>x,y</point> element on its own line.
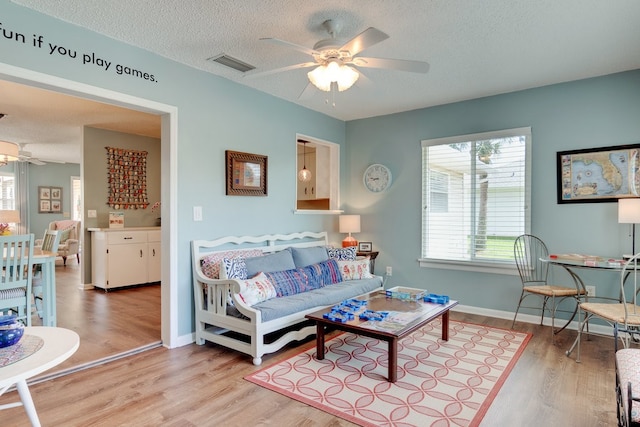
<point>289,282</point>
<point>256,289</point>
<point>355,270</point>
<point>64,235</point>
<point>342,254</point>
<point>234,268</point>
<point>323,273</point>
<point>211,263</point>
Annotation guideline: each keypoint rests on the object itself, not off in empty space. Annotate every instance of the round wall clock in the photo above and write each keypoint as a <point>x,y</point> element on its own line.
<point>377,178</point>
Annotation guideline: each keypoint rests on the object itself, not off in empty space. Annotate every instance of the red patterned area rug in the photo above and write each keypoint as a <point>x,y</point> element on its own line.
<point>440,383</point>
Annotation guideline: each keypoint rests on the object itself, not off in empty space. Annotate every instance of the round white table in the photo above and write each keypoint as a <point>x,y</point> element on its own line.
<point>58,345</point>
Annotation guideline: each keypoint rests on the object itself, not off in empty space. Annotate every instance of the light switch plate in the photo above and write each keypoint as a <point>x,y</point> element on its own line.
<point>197,213</point>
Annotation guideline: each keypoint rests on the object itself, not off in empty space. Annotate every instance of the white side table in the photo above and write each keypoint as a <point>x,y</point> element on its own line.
<point>59,344</point>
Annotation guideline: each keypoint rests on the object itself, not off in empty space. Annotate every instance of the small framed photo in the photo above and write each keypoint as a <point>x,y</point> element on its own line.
<point>56,193</point>
<point>45,206</point>
<point>364,247</point>
<point>44,192</point>
<point>246,174</point>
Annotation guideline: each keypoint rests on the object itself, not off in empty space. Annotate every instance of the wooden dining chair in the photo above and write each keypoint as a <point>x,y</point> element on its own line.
<point>623,316</point>
<point>50,242</point>
<point>17,275</point>
<point>529,252</point>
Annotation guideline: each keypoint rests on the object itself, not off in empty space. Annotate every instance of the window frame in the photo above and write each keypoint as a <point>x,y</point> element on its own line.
<point>496,267</point>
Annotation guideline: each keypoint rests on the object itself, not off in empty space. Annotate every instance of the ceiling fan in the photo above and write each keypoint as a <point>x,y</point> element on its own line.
<point>334,58</point>
<point>25,156</point>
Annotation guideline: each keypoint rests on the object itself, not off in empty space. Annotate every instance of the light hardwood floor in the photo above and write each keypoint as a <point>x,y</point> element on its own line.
<point>109,323</point>
<point>204,386</point>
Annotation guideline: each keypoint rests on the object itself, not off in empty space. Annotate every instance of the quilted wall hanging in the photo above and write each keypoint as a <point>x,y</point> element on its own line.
<point>127,178</point>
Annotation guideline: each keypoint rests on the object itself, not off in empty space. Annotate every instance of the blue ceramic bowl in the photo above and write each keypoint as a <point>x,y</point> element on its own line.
<point>10,334</point>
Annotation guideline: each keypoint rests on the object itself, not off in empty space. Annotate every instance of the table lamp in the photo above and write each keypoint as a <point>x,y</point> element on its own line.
<point>7,217</point>
<point>349,224</point>
<point>629,213</point>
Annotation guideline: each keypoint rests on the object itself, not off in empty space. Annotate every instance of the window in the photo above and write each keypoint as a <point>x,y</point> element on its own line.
<point>7,191</point>
<point>475,192</point>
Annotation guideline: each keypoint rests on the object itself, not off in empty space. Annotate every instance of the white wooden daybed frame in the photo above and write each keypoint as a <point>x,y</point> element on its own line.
<point>212,323</point>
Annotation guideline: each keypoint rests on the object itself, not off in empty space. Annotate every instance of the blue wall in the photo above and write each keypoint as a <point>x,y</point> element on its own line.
<point>216,114</point>
<point>589,113</point>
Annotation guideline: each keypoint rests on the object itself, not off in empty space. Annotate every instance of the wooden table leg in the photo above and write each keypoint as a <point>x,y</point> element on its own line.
<point>393,360</point>
<point>319,341</point>
<point>445,325</point>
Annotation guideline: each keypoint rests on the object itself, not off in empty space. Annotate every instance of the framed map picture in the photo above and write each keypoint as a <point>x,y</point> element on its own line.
<point>603,174</point>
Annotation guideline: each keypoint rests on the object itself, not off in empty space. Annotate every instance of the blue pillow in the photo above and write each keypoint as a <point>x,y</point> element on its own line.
<point>307,256</point>
<point>278,261</point>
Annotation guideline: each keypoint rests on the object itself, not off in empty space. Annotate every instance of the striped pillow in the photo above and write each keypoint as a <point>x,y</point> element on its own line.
<point>323,273</point>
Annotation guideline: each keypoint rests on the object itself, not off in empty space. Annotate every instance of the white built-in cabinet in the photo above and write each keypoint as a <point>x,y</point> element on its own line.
<point>125,256</point>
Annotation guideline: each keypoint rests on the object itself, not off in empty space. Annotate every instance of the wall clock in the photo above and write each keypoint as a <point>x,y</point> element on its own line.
<point>377,178</point>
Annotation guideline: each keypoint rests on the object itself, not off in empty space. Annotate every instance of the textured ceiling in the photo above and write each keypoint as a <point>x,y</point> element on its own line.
<point>475,48</point>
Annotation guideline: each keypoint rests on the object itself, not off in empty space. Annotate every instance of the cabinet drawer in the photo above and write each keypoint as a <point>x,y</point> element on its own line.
<point>154,236</point>
<point>126,237</point>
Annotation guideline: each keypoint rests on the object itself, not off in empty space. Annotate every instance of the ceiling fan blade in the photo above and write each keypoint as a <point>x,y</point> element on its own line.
<point>280,70</point>
<point>303,49</point>
<point>364,40</point>
<point>37,162</point>
<point>392,64</point>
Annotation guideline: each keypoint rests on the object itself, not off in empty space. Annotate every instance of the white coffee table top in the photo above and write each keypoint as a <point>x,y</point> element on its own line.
<point>59,345</point>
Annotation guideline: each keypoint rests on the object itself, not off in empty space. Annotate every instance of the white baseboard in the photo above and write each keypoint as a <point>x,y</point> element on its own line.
<point>530,318</point>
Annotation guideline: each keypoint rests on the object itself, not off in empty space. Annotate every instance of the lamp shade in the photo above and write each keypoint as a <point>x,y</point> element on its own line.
<point>8,152</point>
<point>324,75</point>
<point>349,223</point>
<point>629,211</point>
<point>9,216</point>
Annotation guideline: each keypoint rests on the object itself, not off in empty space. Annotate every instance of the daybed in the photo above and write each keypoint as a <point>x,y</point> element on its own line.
<point>252,293</point>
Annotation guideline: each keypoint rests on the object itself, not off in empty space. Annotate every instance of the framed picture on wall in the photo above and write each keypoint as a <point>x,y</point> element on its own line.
<point>246,174</point>
<point>44,206</point>
<point>49,199</point>
<point>56,193</point>
<point>603,174</point>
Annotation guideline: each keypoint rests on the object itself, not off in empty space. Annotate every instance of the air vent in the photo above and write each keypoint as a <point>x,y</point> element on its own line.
<point>231,62</point>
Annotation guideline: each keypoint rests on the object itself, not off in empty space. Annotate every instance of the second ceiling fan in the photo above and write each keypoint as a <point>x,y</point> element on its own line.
<point>334,58</point>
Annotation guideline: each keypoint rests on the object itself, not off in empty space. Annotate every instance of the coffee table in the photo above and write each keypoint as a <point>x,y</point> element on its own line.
<point>413,315</point>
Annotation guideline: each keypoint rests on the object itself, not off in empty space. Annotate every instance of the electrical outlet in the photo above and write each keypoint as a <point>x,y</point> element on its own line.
<point>389,271</point>
<point>591,291</point>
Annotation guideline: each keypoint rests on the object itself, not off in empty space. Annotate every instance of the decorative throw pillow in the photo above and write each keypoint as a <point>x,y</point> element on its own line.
<point>64,235</point>
<point>355,270</point>
<point>342,254</point>
<point>234,268</point>
<point>323,273</point>
<point>256,289</point>
<point>289,282</point>
<point>307,256</point>
<point>211,263</point>
<point>277,261</point>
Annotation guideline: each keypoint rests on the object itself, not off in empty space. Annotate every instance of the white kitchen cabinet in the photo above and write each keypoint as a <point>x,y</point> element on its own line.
<point>125,256</point>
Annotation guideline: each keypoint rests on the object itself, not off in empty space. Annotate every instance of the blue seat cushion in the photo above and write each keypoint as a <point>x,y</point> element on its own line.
<point>326,296</point>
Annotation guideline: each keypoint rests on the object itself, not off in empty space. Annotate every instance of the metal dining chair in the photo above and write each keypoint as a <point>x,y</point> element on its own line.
<point>529,252</point>
<point>623,316</point>
<point>50,242</point>
<point>17,275</point>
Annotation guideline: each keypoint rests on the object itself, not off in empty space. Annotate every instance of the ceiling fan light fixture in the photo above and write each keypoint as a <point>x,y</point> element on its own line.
<point>324,75</point>
<point>8,152</point>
